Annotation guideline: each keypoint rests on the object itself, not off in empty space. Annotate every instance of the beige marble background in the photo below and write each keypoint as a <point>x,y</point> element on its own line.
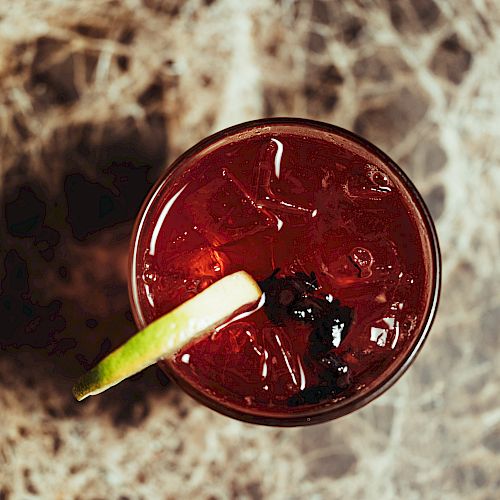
<point>86,84</point>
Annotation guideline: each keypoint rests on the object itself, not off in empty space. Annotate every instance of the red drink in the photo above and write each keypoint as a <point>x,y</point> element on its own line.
<point>341,244</point>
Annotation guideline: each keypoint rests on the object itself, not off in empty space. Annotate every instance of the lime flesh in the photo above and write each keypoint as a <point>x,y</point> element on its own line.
<point>164,337</point>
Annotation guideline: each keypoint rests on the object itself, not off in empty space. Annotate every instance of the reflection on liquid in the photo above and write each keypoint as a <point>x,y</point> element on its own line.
<point>277,158</point>
<point>380,334</point>
<point>265,198</point>
<point>161,219</point>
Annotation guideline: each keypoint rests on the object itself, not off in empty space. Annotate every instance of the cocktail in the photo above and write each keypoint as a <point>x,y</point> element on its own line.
<point>340,244</point>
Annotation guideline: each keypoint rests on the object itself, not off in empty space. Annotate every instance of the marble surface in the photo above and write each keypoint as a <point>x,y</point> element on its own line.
<point>88,89</point>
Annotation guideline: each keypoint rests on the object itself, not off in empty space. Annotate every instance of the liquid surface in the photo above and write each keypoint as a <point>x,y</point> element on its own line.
<point>283,200</point>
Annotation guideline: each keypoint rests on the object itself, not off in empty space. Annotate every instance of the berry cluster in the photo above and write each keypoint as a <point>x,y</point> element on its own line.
<point>296,298</point>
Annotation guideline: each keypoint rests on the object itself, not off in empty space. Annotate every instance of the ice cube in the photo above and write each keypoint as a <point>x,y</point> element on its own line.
<point>223,211</point>
<point>172,236</point>
<point>285,371</point>
<point>363,262</point>
<point>275,187</point>
<point>253,253</point>
<point>177,279</point>
<point>369,184</point>
<point>233,358</point>
<point>385,332</point>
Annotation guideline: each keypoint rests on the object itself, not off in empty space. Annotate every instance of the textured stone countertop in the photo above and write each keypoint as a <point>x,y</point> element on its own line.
<point>86,87</point>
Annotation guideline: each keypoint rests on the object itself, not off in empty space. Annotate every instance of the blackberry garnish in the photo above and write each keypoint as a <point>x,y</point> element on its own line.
<point>310,396</point>
<point>330,330</point>
<point>284,294</point>
<point>335,378</point>
<point>291,297</point>
<point>308,309</point>
<point>295,298</point>
<point>336,373</point>
<point>310,281</point>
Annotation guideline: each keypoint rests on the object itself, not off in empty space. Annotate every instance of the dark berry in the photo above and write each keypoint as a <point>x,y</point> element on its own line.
<point>286,297</point>
<point>283,293</point>
<point>310,396</point>
<point>310,282</point>
<point>294,298</point>
<point>331,330</point>
<point>336,372</point>
<point>308,309</point>
<point>334,377</point>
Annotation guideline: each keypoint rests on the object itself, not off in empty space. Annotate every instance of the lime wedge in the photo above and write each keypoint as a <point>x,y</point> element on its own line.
<point>164,337</point>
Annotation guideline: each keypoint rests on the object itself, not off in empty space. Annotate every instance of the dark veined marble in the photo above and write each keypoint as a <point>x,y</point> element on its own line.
<point>96,97</point>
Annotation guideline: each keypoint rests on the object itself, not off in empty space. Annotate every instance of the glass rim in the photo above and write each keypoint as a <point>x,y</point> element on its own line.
<point>390,376</point>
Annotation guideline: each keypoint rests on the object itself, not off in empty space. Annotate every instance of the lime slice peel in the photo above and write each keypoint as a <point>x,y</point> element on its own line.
<point>198,316</point>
